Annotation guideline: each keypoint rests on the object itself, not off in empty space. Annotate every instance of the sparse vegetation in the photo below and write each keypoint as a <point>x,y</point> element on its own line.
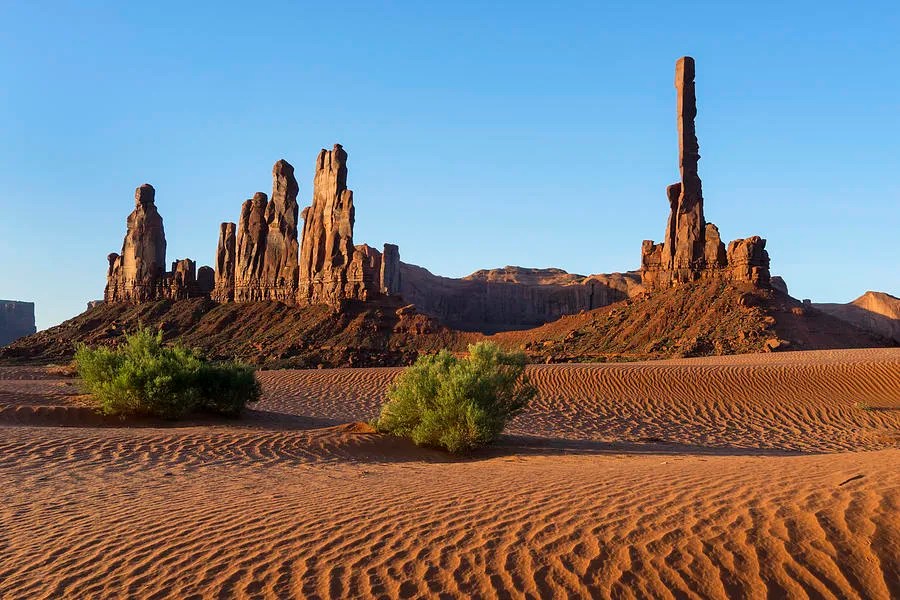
<point>458,404</point>
<point>142,377</point>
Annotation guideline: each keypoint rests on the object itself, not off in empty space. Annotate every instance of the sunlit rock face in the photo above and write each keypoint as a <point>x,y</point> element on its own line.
<point>692,248</point>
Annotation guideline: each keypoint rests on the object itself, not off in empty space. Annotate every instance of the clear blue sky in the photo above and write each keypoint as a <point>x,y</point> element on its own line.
<point>479,136</point>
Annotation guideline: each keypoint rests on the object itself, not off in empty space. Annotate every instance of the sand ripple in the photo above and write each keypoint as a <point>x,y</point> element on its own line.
<point>665,480</point>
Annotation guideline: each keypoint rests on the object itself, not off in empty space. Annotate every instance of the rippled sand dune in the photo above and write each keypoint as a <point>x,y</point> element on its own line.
<point>751,476</point>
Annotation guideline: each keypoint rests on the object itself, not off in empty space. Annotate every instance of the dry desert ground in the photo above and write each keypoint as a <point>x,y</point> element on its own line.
<point>756,476</point>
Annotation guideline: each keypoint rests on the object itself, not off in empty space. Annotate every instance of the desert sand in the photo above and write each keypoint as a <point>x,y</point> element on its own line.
<point>750,476</point>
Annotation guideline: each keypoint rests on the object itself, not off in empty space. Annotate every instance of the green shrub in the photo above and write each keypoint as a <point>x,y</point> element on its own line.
<point>457,404</point>
<point>143,377</point>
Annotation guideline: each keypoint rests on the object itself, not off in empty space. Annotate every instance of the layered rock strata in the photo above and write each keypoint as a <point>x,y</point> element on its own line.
<point>138,274</point>
<point>512,297</point>
<point>692,248</point>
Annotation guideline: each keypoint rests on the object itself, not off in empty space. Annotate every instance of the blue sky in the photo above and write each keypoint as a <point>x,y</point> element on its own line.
<point>479,136</point>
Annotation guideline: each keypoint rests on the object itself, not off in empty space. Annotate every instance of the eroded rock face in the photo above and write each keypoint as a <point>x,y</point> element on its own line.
<point>281,261</point>
<point>748,261</point>
<point>138,274</point>
<point>876,312</point>
<point>332,268</point>
<point>16,320</point>
<point>225,263</point>
<point>692,248</point>
<point>250,249</point>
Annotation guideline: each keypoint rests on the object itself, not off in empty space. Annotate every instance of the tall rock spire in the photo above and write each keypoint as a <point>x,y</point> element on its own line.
<point>135,274</point>
<point>692,248</point>
<point>139,273</point>
<point>281,261</point>
<point>225,263</point>
<point>687,248</point>
<point>332,269</point>
<point>250,249</point>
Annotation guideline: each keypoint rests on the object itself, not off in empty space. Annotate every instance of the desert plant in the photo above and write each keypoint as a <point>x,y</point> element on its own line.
<point>144,377</point>
<point>457,404</point>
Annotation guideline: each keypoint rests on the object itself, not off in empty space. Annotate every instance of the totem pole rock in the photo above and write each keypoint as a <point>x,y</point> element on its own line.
<point>692,248</point>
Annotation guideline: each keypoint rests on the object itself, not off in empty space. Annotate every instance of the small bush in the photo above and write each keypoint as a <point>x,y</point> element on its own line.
<point>143,377</point>
<point>457,404</point>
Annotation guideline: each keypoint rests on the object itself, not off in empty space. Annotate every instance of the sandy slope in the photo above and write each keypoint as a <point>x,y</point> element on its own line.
<point>748,476</point>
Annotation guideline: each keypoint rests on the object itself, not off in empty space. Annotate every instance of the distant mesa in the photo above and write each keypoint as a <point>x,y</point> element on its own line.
<point>876,312</point>
<point>16,320</point>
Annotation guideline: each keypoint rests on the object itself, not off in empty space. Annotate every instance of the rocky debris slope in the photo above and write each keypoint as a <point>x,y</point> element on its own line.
<point>875,312</point>
<point>692,248</point>
<point>16,320</point>
<point>272,334</point>
<point>138,274</point>
<point>703,318</point>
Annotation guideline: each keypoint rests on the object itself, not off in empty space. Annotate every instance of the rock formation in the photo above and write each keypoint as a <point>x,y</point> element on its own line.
<point>390,270</point>
<point>512,297</point>
<point>332,269</point>
<point>138,274</point>
<point>225,261</point>
<point>280,261</point>
<point>748,261</point>
<point>692,248</point>
<point>263,258</point>
<point>16,320</point>
<point>250,249</point>
<point>875,312</point>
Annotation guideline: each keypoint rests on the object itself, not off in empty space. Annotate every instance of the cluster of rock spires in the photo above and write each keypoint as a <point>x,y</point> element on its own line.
<point>692,249</point>
<point>267,256</point>
<point>262,257</point>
